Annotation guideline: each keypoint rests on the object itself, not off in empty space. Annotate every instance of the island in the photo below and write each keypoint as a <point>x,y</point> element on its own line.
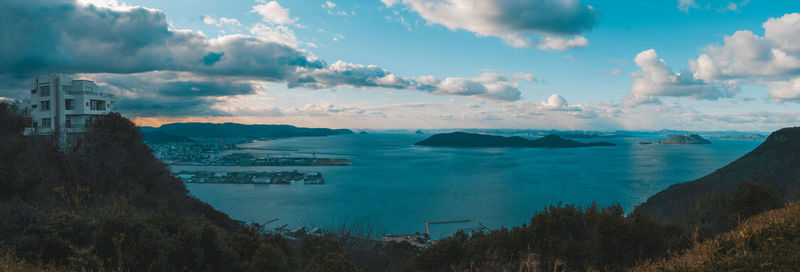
<point>463,139</point>
<point>419,131</point>
<point>692,139</point>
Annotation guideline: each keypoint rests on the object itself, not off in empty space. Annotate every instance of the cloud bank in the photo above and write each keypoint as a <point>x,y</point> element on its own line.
<point>511,20</point>
<point>159,69</point>
<point>772,60</point>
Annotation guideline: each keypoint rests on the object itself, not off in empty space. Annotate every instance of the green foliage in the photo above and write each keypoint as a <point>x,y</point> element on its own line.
<point>752,198</point>
<point>108,204</point>
<point>560,236</point>
<point>765,242</point>
<point>718,213</point>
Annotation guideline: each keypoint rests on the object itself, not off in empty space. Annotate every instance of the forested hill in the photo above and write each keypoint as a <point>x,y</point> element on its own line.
<point>107,204</point>
<point>225,130</point>
<point>776,162</point>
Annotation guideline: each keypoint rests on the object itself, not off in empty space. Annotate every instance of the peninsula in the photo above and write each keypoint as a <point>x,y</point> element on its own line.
<point>463,139</point>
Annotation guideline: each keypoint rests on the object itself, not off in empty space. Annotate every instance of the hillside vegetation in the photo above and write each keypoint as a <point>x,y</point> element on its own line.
<point>108,204</point>
<point>775,163</point>
<point>767,242</point>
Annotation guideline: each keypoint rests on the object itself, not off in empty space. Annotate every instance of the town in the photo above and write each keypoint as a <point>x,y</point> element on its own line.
<point>220,153</point>
<point>251,177</point>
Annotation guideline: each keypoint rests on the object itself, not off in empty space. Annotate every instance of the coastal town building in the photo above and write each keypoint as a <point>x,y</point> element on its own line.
<point>63,106</point>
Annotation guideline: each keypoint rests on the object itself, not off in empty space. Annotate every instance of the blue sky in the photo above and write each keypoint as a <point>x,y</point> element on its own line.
<point>569,64</point>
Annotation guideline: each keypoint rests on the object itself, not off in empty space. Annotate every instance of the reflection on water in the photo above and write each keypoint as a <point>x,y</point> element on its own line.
<point>397,186</point>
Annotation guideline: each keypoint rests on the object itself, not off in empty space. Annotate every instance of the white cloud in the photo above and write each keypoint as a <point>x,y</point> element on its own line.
<point>280,34</point>
<point>685,5</point>
<point>746,55</point>
<point>561,44</point>
<point>785,90</point>
<point>525,76</point>
<point>658,79</point>
<point>330,5</point>
<point>772,60</point>
<point>614,72</point>
<point>510,20</point>
<point>556,103</point>
<point>783,32</point>
<point>636,100</point>
<point>272,12</point>
<point>109,4</point>
<point>229,22</point>
<point>733,6</point>
<point>487,86</point>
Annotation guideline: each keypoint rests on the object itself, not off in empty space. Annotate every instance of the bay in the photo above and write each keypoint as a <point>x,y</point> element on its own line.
<point>395,186</point>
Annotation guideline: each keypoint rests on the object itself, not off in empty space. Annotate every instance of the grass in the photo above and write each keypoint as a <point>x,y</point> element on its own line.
<point>769,241</point>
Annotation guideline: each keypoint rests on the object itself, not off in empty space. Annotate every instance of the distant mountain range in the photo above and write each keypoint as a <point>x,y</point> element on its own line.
<point>229,130</point>
<point>160,137</point>
<point>775,162</point>
<point>463,139</point>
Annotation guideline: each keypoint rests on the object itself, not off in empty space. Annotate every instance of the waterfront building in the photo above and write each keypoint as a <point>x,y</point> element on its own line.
<point>63,106</point>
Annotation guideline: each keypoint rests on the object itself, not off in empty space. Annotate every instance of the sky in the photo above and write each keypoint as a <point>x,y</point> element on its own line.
<point>385,64</point>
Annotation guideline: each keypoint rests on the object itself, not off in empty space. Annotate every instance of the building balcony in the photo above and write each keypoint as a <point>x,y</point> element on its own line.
<point>88,93</point>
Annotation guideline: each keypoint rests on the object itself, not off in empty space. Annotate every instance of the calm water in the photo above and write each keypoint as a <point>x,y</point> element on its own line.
<point>397,187</point>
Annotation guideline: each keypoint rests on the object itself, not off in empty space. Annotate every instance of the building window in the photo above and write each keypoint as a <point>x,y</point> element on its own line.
<point>34,106</point>
<point>69,123</point>
<point>66,88</point>
<point>97,105</point>
<point>33,91</point>
<point>45,90</point>
<point>46,122</point>
<point>45,105</point>
<point>89,89</point>
<point>68,104</point>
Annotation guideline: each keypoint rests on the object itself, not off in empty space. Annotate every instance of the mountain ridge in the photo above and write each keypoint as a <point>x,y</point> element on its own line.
<point>230,130</point>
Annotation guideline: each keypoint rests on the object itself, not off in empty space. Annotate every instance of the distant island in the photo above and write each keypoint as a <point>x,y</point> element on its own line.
<point>748,137</point>
<point>692,139</point>
<point>419,132</point>
<point>463,139</point>
<point>231,130</point>
<point>590,135</point>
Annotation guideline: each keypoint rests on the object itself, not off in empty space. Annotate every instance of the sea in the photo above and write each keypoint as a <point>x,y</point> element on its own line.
<point>395,187</point>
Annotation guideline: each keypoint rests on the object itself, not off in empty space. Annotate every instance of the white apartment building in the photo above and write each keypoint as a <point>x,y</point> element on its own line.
<point>63,106</point>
